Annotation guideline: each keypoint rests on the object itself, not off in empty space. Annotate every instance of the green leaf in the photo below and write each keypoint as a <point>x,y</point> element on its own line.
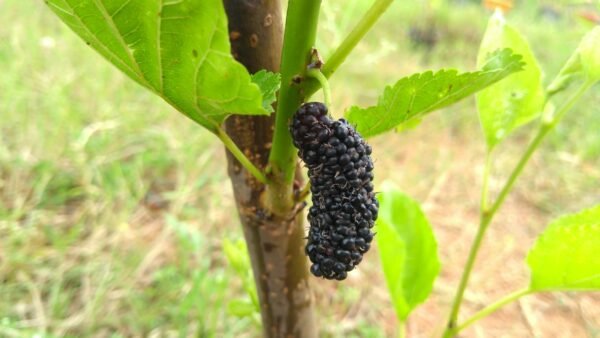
<point>414,96</point>
<point>178,49</point>
<point>570,72</point>
<point>408,250</point>
<point>515,100</point>
<point>584,64</point>
<point>237,255</point>
<point>241,308</point>
<point>410,124</point>
<point>566,256</point>
<point>268,82</point>
<point>590,54</point>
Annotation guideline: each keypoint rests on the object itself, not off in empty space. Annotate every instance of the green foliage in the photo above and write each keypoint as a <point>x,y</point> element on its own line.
<point>268,82</point>
<point>583,65</point>
<point>237,256</point>
<point>241,308</point>
<point>516,100</point>
<point>566,255</point>
<point>75,222</point>
<point>570,72</point>
<point>590,54</point>
<point>416,95</point>
<point>408,250</point>
<point>179,50</point>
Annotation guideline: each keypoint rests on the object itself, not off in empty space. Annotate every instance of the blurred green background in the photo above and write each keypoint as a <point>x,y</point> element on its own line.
<point>114,207</point>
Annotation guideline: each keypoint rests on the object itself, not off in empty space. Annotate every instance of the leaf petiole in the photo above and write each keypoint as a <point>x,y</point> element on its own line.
<point>239,155</point>
<point>486,180</point>
<point>488,310</point>
<point>569,104</point>
<point>402,329</point>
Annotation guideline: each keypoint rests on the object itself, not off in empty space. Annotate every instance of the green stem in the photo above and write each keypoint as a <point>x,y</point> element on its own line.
<point>299,39</point>
<point>316,74</point>
<point>349,43</point>
<point>542,132</point>
<point>572,100</point>
<point>357,34</point>
<point>492,308</point>
<point>487,215</point>
<point>239,155</point>
<point>483,223</point>
<point>486,180</point>
<point>402,330</point>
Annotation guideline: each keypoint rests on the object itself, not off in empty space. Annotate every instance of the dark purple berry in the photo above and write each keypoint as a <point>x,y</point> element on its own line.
<point>344,204</point>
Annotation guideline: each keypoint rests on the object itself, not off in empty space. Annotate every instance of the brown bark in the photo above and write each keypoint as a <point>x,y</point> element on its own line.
<point>275,239</point>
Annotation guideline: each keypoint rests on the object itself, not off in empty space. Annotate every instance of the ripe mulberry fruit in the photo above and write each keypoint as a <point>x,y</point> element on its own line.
<point>344,207</point>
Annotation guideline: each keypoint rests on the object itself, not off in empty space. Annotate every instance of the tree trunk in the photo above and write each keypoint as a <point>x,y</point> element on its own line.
<point>275,239</point>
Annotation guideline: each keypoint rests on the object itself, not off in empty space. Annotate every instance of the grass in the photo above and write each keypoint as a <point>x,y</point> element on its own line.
<point>102,227</point>
<point>113,206</point>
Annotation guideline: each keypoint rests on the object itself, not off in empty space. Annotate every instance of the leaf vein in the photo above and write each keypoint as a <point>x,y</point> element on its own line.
<point>127,2</point>
<point>201,62</point>
<point>60,8</point>
<point>98,42</point>
<point>159,47</point>
<point>115,30</point>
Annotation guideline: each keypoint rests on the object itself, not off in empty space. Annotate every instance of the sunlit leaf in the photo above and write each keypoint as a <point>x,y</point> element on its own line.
<point>409,125</point>
<point>178,49</point>
<point>590,54</point>
<point>414,96</point>
<point>237,255</point>
<point>566,256</point>
<point>516,100</point>
<point>268,83</point>
<point>570,72</point>
<point>408,250</point>
<point>584,64</point>
<point>241,308</point>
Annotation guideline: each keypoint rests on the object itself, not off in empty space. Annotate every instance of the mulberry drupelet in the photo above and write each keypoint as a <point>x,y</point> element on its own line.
<point>344,207</point>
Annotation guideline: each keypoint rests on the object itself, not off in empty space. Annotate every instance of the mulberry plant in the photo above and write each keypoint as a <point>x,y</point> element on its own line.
<point>344,207</point>
<point>235,69</point>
